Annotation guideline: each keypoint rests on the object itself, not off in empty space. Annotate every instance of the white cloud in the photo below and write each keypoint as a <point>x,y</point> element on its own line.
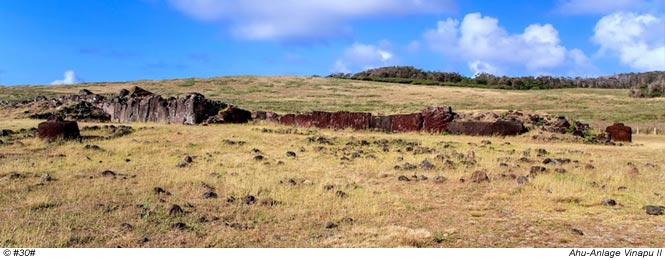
<point>69,78</point>
<point>297,19</point>
<point>578,64</point>
<point>364,56</point>
<point>486,46</point>
<point>638,40</point>
<point>479,67</point>
<point>578,7</point>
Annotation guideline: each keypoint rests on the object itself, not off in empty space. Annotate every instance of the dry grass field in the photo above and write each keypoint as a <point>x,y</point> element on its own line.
<point>340,193</point>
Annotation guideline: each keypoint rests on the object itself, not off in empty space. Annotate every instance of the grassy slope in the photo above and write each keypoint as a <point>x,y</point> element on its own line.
<point>290,94</point>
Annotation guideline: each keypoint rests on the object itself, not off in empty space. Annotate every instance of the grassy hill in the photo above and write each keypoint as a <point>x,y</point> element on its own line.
<point>290,94</point>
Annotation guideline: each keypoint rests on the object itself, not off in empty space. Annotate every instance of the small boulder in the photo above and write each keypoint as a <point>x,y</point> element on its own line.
<point>608,202</point>
<point>479,176</point>
<point>439,179</point>
<point>522,180</point>
<point>403,178</point>
<point>249,200</point>
<point>108,173</point>
<point>209,195</point>
<point>176,210</point>
<point>425,164</point>
<point>654,210</point>
<point>577,232</point>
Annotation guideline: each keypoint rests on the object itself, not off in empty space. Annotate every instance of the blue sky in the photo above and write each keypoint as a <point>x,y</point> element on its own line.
<point>67,41</point>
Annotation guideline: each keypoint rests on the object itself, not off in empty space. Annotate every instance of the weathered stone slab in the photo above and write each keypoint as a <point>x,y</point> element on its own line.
<point>618,132</point>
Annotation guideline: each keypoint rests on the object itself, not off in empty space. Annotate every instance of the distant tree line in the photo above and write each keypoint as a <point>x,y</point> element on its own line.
<point>646,84</point>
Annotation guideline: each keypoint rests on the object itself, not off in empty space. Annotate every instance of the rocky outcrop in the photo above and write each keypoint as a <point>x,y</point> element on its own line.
<point>618,132</point>
<point>139,105</point>
<point>231,115</point>
<point>81,111</point>
<point>501,128</point>
<point>57,128</point>
<point>547,123</point>
<point>436,119</point>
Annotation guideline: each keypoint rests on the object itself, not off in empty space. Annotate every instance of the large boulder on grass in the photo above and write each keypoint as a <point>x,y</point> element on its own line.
<point>57,128</point>
<point>618,132</point>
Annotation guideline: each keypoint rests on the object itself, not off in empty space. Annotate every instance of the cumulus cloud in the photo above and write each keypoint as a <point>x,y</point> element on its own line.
<point>486,46</point>
<point>579,7</point>
<point>364,56</point>
<point>69,78</point>
<point>638,40</point>
<point>297,19</point>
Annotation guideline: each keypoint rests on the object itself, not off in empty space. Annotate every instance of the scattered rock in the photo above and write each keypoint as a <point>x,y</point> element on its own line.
<point>522,180</point>
<point>425,164</point>
<point>249,200</point>
<point>127,226</point>
<point>108,173</point>
<point>6,132</point>
<point>479,176</point>
<point>406,166</point>
<point>346,220</point>
<point>608,202</point>
<point>238,226</point>
<point>158,190</point>
<point>439,179</point>
<point>577,232</point>
<point>268,202</point>
<point>634,171</point>
<point>654,210</point>
<point>209,195</point>
<point>535,170</point>
<point>187,159</point>
<point>47,177</point>
<point>15,175</point>
<point>92,147</point>
<point>179,226</point>
<point>541,152</point>
<point>176,210</point>
<point>181,165</point>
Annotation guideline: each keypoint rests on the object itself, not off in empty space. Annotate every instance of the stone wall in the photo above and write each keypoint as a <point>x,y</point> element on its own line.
<point>139,105</point>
